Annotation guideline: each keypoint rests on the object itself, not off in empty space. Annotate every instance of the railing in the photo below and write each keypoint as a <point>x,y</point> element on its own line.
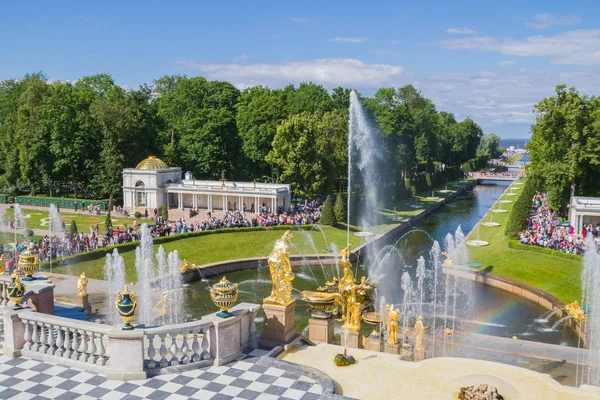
<point>4,299</point>
<point>66,341</point>
<point>175,345</point>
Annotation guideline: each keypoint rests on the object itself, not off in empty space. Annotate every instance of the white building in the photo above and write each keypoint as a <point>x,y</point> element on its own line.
<point>153,183</point>
<point>584,210</point>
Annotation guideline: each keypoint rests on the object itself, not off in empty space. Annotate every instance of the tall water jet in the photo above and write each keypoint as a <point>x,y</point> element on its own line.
<point>114,275</point>
<point>436,266</point>
<point>420,277</point>
<point>406,286</point>
<point>175,302</point>
<point>144,268</point>
<point>19,222</point>
<point>55,227</point>
<point>590,284</point>
<point>364,153</point>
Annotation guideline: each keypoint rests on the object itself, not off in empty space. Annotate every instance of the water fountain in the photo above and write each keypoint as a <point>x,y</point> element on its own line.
<point>19,222</point>
<point>499,209</point>
<point>590,284</point>
<point>490,223</point>
<point>433,197</point>
<point>55,228</point>
<point>114,275</point>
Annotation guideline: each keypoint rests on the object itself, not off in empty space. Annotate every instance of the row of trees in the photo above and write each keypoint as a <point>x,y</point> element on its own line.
<point>76,137</point>
<point>564,146</point>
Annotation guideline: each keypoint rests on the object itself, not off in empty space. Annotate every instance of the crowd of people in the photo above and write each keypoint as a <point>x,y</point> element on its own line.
<point>495,174</point>
<point>544,229</point>
<point>71,244</point>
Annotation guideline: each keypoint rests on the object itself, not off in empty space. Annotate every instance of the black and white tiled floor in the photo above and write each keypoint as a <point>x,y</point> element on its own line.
<point>22,378</point>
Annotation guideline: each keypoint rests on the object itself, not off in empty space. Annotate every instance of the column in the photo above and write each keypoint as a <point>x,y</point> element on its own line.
<point>256,205</point>
<point>210,204</point>
<point>195,201</point>
<point>241,203</point>
<point>273,206</point>
<point>133,201</point>
<point>225,208</point>
<point>180,204</point>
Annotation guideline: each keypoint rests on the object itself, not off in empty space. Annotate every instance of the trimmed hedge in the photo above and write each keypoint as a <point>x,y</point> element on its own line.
<point>3,198</point>
<point>129,246</point>
<point>328,213</point>
<point>60,202</point>
<point>520,211</point>
<point>515,244</point>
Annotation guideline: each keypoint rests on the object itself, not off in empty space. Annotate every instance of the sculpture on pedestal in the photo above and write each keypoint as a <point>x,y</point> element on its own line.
<point>393,316</point>
<point>420,334</point>
<point>16,291</point>
<point>82,283</point>
<point>2,267</point>
<point>224,294</point>
<point>281,271</point>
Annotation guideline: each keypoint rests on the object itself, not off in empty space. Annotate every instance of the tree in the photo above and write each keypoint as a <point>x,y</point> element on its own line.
<point>73,229</point>
<point>308,97</point>
<point>489,144</point>
<point>340,208</point>
<point>328,213</point>
<point>165,212</point>
<point>108,222</point>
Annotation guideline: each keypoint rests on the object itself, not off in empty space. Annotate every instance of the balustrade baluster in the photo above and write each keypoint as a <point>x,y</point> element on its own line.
<point>68,351</point>
<point>35,337</point>
<point>60,341</point>
<point>84,346</point>
<point>28,335</point>
<point>195,348</point>
<point>253,339</point>
<point>185,357</point>
<point>205,355</point>
<point>74,344</point>
<point>43,346</point>
<point>51,347</point>
<point>174,349</point>
<point>163,351</point>
<point>4,295</point>
<point>151,351</point>
<point>92,348</point>
<point>101,351</point>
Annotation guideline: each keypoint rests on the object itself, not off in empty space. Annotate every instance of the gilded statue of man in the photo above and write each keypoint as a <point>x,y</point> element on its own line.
<point>393,315</point>
<point>420,338</point>
<point>281,271</point>
<point>82,282</point>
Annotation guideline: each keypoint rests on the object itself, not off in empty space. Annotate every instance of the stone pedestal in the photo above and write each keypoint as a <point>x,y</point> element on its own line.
<point>393,348</point>
<point>42,296</point>
<point>83,302</point>
<point>126,352</point>
<point>14,332</point>
<point>354,337</point>
<point>279,327</point>
<point>420,354</point>
<point>320,330</point>
<point>407,353</point>
<point>372,343</point>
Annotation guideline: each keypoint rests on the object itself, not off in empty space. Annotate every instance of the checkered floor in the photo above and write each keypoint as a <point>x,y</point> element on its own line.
<point>22,378</point>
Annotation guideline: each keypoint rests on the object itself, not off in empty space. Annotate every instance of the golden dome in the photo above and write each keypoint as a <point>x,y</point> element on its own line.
<point>152,163</point>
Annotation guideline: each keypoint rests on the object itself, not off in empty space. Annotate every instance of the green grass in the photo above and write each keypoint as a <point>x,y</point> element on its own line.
<point>227,246</point>
<point>38,219</point>
<point>7,237</point>
<point>554,274</point>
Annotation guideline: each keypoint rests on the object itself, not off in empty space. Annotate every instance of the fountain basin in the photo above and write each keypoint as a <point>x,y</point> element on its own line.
<point>478,243</point>
<point>373,318</point>
<point>511,194</point>
<point>432,198</point>
<point>364,234</point>
<point>499,211</point>
<point>488,223</point>
<point>506,201</point>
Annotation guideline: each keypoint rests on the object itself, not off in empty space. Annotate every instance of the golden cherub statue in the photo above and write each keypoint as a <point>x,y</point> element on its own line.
<point>393,316</point>
<point>420,337</point>
<point>2,266</point>
<point>82,283</point>
<point>281,271</point>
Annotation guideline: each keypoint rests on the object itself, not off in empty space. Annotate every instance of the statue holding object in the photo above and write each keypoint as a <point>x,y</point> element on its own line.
<point>281,271</point>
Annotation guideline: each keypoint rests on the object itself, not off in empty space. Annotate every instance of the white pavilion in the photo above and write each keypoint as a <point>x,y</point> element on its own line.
<point>153,183</point>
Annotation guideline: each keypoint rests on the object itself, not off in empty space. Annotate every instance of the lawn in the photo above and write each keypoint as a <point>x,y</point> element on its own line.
<point>8,237</point>
<point>225,246</point>
<point>554,274</point>
<point>38,219</point>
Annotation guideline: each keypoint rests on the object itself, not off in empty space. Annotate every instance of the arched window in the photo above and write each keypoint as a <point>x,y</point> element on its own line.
<point>169,181</point>
<point>139,184</point>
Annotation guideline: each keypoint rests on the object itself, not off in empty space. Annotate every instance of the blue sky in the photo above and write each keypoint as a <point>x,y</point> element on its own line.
<point>490,62</point>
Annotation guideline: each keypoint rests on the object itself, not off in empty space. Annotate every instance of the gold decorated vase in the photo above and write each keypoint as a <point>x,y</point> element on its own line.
<point>16,291</point>
<point>224,294</point>
<point>322,304</point>
<point>373,318</point>
<point>126,306</point>
<point>28,264</point>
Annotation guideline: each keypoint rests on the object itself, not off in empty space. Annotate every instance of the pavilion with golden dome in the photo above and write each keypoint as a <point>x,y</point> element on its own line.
<point>153,183</point>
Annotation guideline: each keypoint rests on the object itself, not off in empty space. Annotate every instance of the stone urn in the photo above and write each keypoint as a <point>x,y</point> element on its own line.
<point>16,291</point>
<point>126,306</point>
<point>28,264</point>
<point>373,318</point>
<point>321,304</point>
<point>224,294</point>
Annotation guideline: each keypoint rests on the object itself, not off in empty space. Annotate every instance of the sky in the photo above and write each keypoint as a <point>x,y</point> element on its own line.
<point>487,60</point>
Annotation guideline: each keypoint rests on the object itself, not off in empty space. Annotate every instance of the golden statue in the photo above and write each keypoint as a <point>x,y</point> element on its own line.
<point>393,316</point>
<point>353,313</point>
<point>575,311</point>
<point>82,283</point>
<point>420,337</point>
<point>186,266</point>
<point>2,267</point>
<point>448,261</point>
<point>281,271</point>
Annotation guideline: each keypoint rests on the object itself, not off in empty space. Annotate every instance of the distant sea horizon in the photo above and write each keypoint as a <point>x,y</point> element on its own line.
<point>518,143</point>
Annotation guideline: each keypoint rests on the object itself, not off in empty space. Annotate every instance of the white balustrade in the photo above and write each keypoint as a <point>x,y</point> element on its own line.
<point>180,344</point>
<point>4,299</point>
<point>65,341</point>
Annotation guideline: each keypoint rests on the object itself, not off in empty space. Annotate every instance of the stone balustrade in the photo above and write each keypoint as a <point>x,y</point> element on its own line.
<point>129,355</point>
<point>39,294</point>
<point>4,299</point>
<point>173,348</point>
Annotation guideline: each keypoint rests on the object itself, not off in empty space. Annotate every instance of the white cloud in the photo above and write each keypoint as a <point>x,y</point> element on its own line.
<point>241,58</point>
<point>300,20</point>
<point>461,31</point>
<point>506,63</point>
<point>359,39</point>
<point>544,21</point>
<point>578,47</point>
<point>330,72</point>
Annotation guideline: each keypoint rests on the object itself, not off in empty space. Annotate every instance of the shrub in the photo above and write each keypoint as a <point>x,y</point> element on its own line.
<point>515,244</point>
<point>165,212</point>
<point>428,180</point>
<point>108,222</point>
<point>328,213</point>
<point>73,228</point>
<point>520,211</point>
<point>137,214</point>
<point>28,233</point>
<point>340,208</point>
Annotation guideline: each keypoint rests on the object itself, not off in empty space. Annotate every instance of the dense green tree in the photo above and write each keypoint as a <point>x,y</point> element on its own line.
<point>328,213</point>
<point>164,213</point>
<point>308,97</point>
<point>73,228</point>
<point>108,221</point>
<point>341,213</point>
<point>489,144</point>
